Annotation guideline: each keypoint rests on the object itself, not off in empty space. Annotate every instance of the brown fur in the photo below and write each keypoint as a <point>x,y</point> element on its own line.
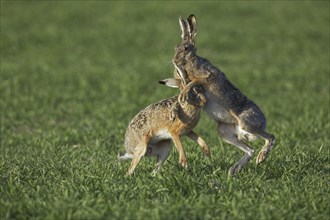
<point>150,131</point>
<point>238,117</point>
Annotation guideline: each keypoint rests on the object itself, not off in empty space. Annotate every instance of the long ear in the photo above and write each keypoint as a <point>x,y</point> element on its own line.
<point>182,73</point>
<point>192,22</point>
<point>184,28</point>
<point>170,82</point>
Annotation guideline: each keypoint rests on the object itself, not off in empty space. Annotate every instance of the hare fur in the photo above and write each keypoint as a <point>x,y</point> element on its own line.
<point>238,118</point>
<point>150,132</point>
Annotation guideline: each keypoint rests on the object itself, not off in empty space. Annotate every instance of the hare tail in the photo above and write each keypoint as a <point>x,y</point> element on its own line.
<point>126,156</point>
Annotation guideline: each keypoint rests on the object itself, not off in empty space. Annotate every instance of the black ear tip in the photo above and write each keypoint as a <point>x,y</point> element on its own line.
<point>162,82</point>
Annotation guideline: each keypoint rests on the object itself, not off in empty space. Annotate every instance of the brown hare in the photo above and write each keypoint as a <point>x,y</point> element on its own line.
<point>239,119</point>
<point>150,132</point>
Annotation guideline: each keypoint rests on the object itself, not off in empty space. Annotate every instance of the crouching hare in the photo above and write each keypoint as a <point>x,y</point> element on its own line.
<point>239,119</point>
<point>150,132</point>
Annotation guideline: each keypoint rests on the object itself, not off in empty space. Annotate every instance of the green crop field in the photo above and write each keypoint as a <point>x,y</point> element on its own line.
<point>74,73</point>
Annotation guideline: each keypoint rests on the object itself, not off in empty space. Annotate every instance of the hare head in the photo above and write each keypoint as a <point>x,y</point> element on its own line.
<point>183,52</point>
<point>186,49</point>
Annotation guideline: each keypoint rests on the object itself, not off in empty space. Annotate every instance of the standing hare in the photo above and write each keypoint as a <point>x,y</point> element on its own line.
<point>150,132</point>
<point>239,119</point>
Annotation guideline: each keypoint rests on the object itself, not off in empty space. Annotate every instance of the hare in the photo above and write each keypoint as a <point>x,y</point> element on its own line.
<point>238,118</point>
<point>150,132</point>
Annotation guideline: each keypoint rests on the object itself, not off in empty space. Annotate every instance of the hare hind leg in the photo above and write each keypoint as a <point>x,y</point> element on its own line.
<point>163,149</point>
<point>259,133</point>
<point>138,154</point>
<point>253,122</point>
<point>126,156</point>
<point>195,137</point>
<point>229,133</point>
<point>269,144</point>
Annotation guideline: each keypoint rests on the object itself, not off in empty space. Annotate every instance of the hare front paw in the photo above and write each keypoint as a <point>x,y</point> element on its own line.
<point>207,152</point>
<point>184,97</point>
<point>184,163</point>
<point>174,112</point>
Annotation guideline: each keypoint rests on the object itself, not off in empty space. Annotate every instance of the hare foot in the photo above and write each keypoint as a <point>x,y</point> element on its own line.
<point>233,170</point>
<point>261,156</point>
<point>265,150</point>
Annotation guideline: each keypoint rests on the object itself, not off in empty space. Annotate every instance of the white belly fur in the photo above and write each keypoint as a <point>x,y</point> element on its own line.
<point>162,134</point>
<point>218,112</point>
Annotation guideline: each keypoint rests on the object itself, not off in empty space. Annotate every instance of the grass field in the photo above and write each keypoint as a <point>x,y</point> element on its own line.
<point>74,73</point>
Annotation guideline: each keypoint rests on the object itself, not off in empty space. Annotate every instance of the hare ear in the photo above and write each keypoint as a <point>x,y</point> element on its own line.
<point>192,22</point>
<point>184,29</point>
<point>182,73</point>
<point>170,82</point>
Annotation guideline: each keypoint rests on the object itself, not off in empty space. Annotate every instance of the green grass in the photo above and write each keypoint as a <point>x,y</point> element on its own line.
<point>73,74</point>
